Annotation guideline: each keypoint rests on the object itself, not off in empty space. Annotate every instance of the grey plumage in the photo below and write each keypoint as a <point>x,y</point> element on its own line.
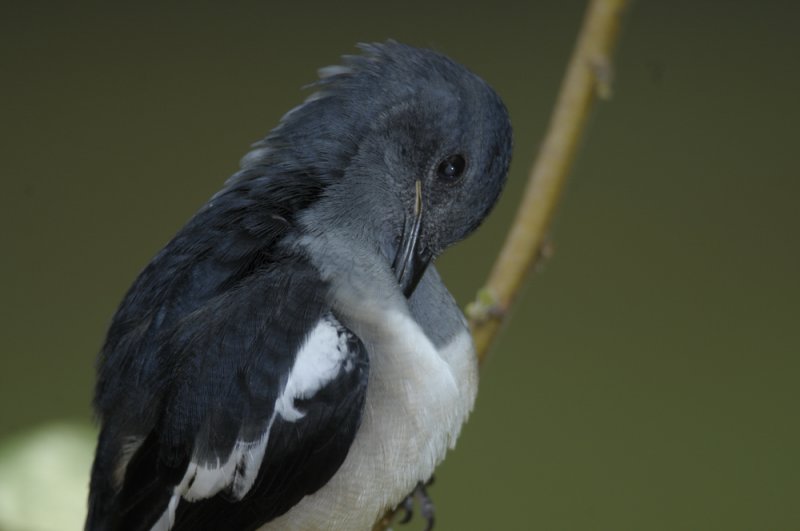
<point>289,360</point>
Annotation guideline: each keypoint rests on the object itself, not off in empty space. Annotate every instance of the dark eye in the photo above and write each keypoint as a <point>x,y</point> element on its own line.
<point>451,168</point>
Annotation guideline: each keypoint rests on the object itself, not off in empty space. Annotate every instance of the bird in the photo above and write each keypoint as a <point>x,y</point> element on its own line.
<point>291,359</point>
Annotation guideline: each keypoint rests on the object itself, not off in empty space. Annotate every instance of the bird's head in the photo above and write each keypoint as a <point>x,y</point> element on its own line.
<point>413,150</point>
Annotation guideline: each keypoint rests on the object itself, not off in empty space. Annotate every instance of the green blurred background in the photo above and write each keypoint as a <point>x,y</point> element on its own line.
<point>649,377</point>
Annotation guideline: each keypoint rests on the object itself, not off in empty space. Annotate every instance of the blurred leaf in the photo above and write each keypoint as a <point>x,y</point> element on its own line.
<point>44,478</point>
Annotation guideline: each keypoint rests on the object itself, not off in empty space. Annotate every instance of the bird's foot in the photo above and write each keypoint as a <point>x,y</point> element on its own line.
<point>420,493</point>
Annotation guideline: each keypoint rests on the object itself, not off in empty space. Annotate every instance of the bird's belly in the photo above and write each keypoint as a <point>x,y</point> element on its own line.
<point>417,400</point>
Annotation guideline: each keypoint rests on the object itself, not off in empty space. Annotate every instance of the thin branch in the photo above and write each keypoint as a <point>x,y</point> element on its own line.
<point>588,76</point>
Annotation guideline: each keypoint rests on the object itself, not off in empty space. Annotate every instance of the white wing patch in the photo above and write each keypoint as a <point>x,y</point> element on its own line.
<point>167,519</point>
<point>321,357</point>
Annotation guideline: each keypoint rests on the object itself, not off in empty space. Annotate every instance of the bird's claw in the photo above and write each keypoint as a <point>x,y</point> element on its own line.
<point>426,508</point>
<point>407,505</point>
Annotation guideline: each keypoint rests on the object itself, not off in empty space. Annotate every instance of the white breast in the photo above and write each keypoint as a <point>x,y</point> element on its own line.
<point>418,397</point>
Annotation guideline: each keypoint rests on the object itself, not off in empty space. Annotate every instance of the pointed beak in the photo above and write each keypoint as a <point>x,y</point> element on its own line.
<point>412,259</point>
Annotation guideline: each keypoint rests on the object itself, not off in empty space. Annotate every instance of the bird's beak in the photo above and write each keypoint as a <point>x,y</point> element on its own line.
<point>412,259</point>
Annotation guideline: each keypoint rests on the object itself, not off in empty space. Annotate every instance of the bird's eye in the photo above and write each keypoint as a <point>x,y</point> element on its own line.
<point>451,168</point>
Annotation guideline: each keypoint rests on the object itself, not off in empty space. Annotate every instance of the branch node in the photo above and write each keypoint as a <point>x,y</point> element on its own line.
<point>543,254</point>
<point>486,306</point>
<point>603,72</point>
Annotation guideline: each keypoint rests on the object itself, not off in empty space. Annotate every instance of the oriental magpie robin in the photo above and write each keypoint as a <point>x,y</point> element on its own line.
<point>291,359</point>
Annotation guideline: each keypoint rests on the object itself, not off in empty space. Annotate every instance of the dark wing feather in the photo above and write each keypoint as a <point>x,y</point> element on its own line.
<point>300,457</point>
<point>195,359</point>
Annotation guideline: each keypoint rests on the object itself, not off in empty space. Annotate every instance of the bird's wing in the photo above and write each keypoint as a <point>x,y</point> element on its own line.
<point>262,394</point>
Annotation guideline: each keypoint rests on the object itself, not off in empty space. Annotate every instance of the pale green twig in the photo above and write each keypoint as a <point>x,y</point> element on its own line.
<point>588,76</point>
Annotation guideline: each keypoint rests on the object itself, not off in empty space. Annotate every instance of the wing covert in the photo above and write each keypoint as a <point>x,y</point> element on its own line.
<point>260,394</point>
